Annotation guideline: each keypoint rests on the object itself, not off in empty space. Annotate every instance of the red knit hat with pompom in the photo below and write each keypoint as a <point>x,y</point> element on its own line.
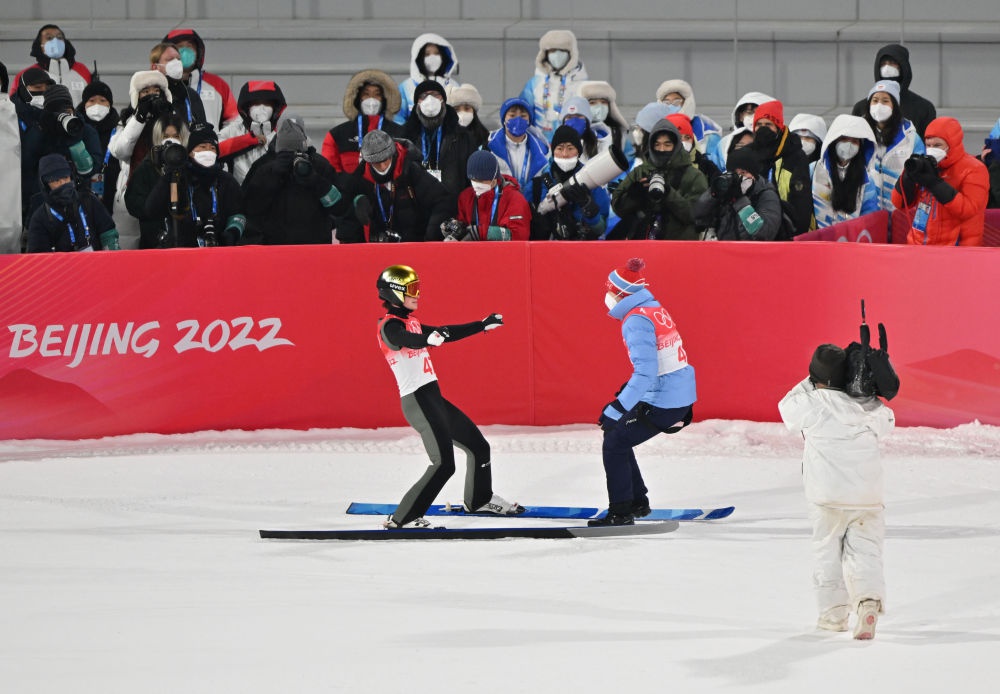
<point>627,279</point>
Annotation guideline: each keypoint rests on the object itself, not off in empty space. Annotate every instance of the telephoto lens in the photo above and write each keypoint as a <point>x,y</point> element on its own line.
<point>657,187</point>
<point>301,165</point>
<point>70,123</point>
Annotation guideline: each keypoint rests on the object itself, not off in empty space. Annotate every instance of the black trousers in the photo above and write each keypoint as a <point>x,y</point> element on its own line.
<point>442,426</point>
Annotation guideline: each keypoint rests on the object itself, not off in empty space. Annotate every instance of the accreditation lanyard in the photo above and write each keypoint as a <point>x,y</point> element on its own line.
<point>493,212</point>
<point>69,226</point>
<point>194,210</point>
<point>522,178</point>
<point>387,218</point>
<point>361,133</point>
<point>545,94</point>
<point>437,152</point>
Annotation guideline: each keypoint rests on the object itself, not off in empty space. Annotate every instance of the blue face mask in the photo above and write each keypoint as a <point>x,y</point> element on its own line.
<point>54,48</point>
<point>517,126</point>
<point>578,124</point>
<point>187,57</point>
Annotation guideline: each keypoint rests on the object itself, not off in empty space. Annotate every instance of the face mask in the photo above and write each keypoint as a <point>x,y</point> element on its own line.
<point>516,126</point>
<point>938,153</point>
<point>880,112</point>
<point>38,100</point>
<point>432,63</point>
<point>765,140</point>
<point>688,145</point>
<point>481,187</point>
<point>558,59</point>
<point>637,135</point>
<point>205,158</point>
<point>889,72</point>
<point>847,150</point>
<point>808,146</point>
<point>610,300</point>
<point>745,185</point>
<point>430,106</point>
<point>382,175</point>
<point>63,195</point>
<point>188,57</point>
<point>672,109</point>
<point>170,141</point>
<point>54,48</point>
<point>566,163</point>
<point>465,118</point>
<point>578,124</point>
<point>260,113</point>
<point>599,112</point>
<point>174,69</point>
<point>371,106</point>
<point>97,112</point>
<point>748,121</point>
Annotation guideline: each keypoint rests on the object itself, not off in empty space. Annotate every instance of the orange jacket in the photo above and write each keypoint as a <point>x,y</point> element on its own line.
<point>959,222</point>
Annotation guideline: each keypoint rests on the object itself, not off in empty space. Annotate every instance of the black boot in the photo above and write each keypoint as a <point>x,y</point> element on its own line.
<point>612,519</point>
<point>640,507</point>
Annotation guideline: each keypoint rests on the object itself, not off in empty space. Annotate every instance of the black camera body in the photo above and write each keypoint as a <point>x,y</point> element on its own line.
<point>170,156</point>
<point>208,233</point>
<point>70,123</point>
<point>302,165</point>
<point>725,186</point>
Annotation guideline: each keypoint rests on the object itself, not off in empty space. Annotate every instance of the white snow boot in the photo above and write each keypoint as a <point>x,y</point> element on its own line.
<point>419,523</point>
<point>834,619</point>
<point>868,611</point>
<point>499,506</point>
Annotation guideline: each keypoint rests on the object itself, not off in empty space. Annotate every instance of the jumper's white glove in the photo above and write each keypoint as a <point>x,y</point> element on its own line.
<point>492,321</point>
<point>435,339</point>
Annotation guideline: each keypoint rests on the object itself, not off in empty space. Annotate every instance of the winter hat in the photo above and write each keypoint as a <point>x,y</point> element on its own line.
<point>517,101</point>
<point>566,133</point>
<point>58,98</point>
<point>814,125</point>
<point>682,123</point>
<point>650,114</point>
<point>291,135</point>
<point>482,166</point>
<point>576,106</point>
<point>97,88</point>
<point>680,87</point>
<point>772,111</point>
<point>147,78</point>
<point>627,279</point>
<point>597,89</point>
<point>829,366</point>
<point>201,133</point>
<point>377,146</point>
<point>465,95</point>
<point>52,167</point>
<point>890,87</point>
<point>429,86</point>
<point>746,159</point>
<point>36,75</point>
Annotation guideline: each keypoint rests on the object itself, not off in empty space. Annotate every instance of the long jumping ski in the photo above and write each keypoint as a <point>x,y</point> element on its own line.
<point>550,512</point>
<point>550,533</point>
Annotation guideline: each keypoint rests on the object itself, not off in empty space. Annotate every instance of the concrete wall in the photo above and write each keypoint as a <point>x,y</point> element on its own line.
<point>815,56</point>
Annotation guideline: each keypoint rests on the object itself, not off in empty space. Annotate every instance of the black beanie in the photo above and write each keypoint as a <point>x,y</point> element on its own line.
<point>565,133</point>
<point>429,86</point>
<point>829,366</point>
<point>52,167</point>
<point>97,88</point>
<point>744,158</point>
<point>200,134</point>
<point>58,98</point>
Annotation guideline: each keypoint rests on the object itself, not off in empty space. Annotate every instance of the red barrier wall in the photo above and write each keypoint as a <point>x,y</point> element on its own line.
<point>285,337</point>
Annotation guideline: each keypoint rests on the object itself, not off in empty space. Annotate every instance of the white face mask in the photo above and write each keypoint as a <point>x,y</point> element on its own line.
<point>566,163</point>
<point>808,146</point>
<point>371,106</point>
<point>889,72</point>
<point>610,300</point>
<point>171,141</point>
<point>937,153</point>
<point>599,112</point>
<point>174,69</point>
<point>748,121</point>
<point>432,63</point>
<point>481,187</point>
<point>880,112</point>
<point>260,113</point>
<point>637,134</point>
<point>97,112</point>
<point>382,167</point>
<point>688,145</point>
<point>745,185</point>
<point>847,150</point>
<point>430,106</point>
<point>465,118</point>
<point>205,158</point>
<point>38,100</point>
<point>558,59</point>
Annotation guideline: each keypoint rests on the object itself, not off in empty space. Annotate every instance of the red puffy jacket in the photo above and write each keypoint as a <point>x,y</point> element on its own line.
<point>513,211</point>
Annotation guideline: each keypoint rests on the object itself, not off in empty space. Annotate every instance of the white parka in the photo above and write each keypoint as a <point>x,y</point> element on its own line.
<point>841,466</point>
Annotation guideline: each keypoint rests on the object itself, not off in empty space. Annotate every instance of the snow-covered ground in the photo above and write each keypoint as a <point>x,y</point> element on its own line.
<point>133,565</point>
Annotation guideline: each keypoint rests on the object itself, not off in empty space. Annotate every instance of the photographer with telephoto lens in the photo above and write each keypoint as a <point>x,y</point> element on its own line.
<point>655,200</point>
<point>170,134</point>
<point>740,205</point>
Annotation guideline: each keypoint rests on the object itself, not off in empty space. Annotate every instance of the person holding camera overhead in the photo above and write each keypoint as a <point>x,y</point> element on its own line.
<point>170,134</point>
<point>585,214</point>
<point>57,131</point>
<point>945,190</point>
<point>290,193</point>
<point>655,200</point>
<point>740,205</point>
<point>204,202</point>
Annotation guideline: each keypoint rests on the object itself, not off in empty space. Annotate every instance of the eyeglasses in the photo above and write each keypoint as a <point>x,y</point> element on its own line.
<point>674,102</point>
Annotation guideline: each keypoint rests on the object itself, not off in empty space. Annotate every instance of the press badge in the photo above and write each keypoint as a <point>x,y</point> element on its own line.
<point>97,184</point>
<point>921,216</point>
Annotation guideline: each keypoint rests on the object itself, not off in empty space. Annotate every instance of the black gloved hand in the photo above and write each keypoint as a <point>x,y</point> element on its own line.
<point>921,169</point>
<point>606,421</point>
<point>144,108</point>
<point>362,208</point>
<point>283,162</point>
<point>576,194</point>
<point>492,321</point>
<point>943,192</point>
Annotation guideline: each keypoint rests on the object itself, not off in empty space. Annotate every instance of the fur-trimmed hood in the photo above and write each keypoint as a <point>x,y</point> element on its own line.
<point>562,39</point>
<point>595,89</point>
<point>682,88</point>
<point>147,78</point>
<point>390,92</point>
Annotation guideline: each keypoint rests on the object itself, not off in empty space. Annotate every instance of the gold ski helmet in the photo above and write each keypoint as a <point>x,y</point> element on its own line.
<point>396,283</point>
